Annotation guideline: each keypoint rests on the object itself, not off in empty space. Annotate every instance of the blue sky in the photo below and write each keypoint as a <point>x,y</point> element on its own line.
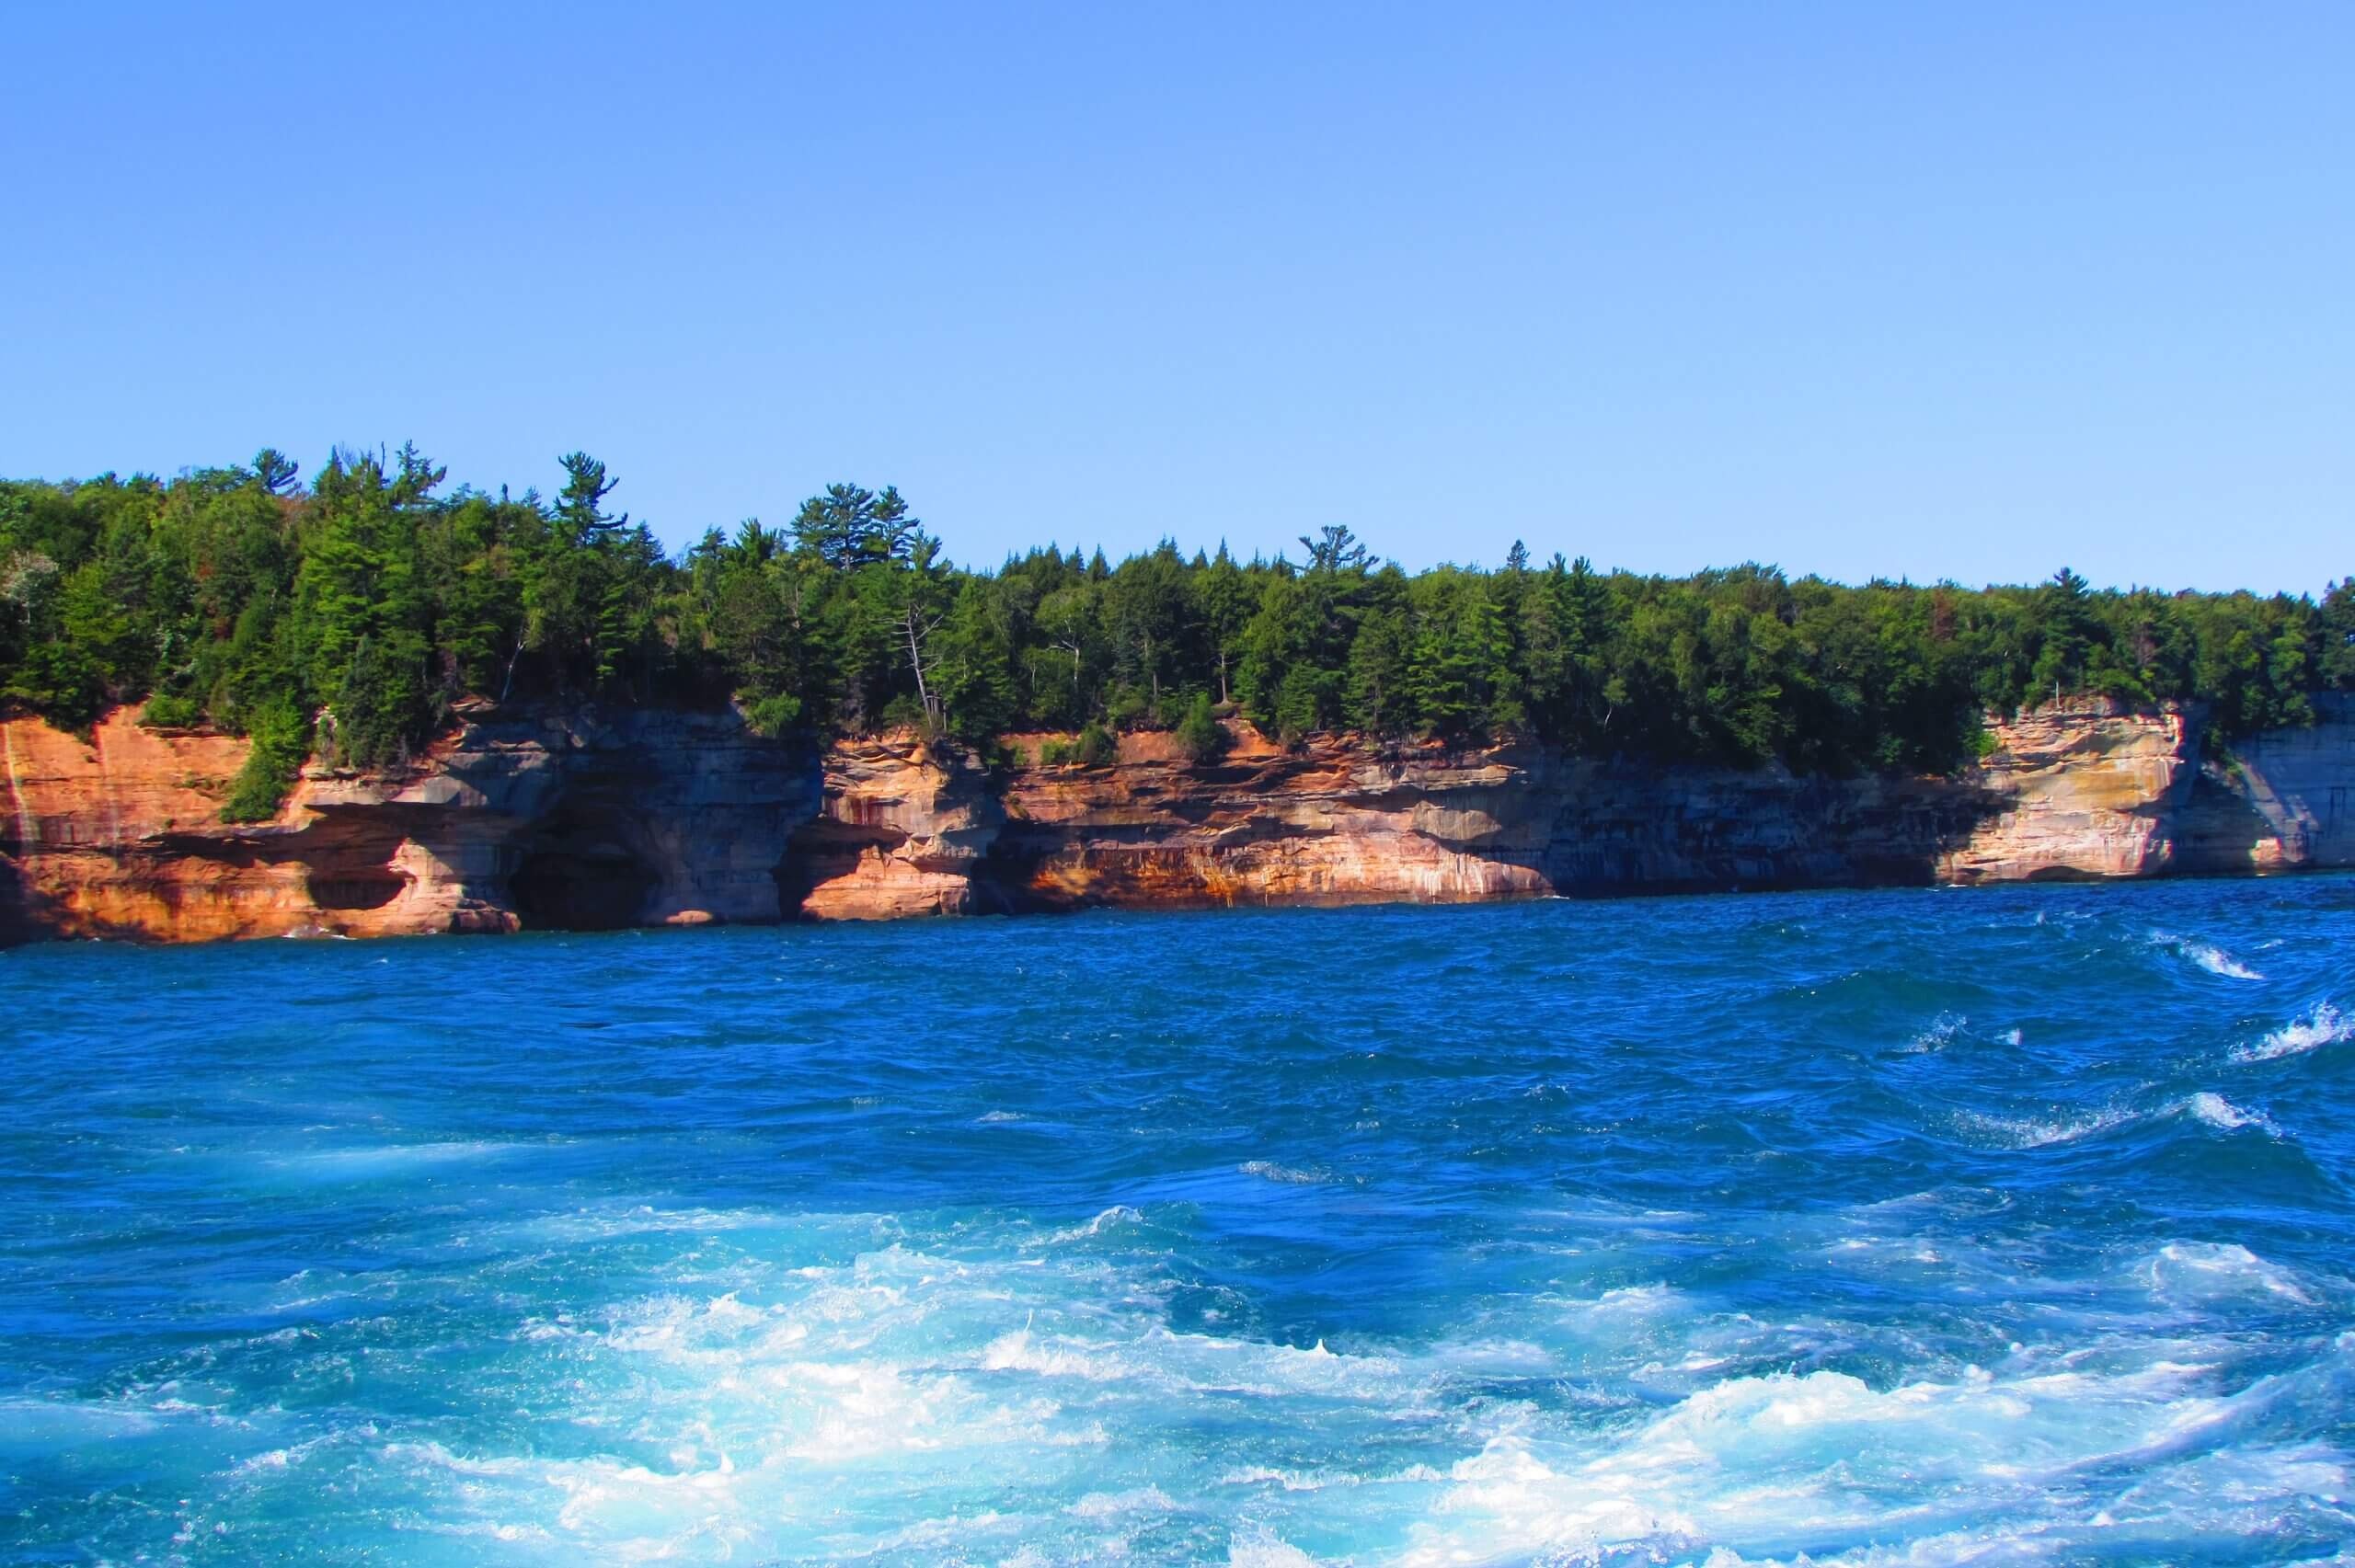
<point>1963,292</point>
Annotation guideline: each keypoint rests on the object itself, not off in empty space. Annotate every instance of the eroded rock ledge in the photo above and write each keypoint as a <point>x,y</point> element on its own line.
<point>582,820</point>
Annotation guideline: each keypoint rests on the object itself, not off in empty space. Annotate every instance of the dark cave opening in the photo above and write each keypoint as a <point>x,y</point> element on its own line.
<point>371,889</point>
<point>577,872</point>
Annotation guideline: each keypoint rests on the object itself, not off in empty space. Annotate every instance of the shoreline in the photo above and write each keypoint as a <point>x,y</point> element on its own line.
<point>583,820</point>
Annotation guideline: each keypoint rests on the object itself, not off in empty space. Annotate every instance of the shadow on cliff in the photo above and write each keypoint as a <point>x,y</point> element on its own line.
<point>584,867</point>
<point>1763,831</point>
<point>823,851</point>
<point>19,922</point>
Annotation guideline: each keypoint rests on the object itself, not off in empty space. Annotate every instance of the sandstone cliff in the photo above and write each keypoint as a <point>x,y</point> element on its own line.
<point>644,817</point>
<point>641,818</point>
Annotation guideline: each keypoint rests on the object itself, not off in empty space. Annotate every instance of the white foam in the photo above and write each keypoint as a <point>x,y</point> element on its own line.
<point>2207,955</point>
<point>2208,1108</point>
<point>1119,1214</point>
<point>2323,1024</point>
<point>2226,1117</point>
<point>370,1159</point>
<point>1259,1549</point>
<point>800,1389</point>
<point>1269,1170</point>
<point>1939,1034</point>
<point>1287,1479</point>
<point>1018,1352</point>
<point>2201,1270</point>
<point>2044,1132</point>
<point>1112,1505</point>
<point>1777,1463</point>
<point>1631,1301</point>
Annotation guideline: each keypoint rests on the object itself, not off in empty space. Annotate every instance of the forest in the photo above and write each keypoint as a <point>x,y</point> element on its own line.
<point>348,614</point>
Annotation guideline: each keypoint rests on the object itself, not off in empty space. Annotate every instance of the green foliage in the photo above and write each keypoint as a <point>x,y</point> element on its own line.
<point>166,711</point>
<point>848,527</point>
<point>282,738</point>
<point>579,506</point>
<point>774,715</point>
<point>2335,638</point>
<point>374,597</point>
<point>1199,734</point>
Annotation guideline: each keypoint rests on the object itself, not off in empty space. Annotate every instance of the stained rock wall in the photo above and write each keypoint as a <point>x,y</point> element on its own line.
<point>2082,790</point>
<point>660,816</point>
<point>642,818</point>
<point>902,830</point>
<point>2085,790</point>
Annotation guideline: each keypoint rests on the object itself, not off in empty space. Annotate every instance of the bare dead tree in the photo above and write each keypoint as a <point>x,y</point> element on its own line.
<point>918,627</point>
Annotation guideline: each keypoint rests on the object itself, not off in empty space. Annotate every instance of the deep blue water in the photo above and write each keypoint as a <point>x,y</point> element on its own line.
<point>1892,1227</point>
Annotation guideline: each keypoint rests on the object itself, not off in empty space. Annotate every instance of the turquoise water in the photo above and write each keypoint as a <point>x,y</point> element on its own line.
<point>1877,1228</point>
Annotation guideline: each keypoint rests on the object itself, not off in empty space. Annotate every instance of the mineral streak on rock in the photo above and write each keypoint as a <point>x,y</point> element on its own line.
<point>651,817</point>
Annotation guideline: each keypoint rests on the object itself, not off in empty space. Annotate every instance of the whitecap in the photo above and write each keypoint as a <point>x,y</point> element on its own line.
<point>377,1158</point>
<point>1112,1505</point>
<point>1285,1480</point>
<point>2207,955</point>
<point>1782,1462</point>
<point>1269,1171</point>
<point>1018,1352</point>
<point>1260,1549</point>
<point>1119,1214</point>
<point>1629,1301</point>
<point>2323,1024</point>
<point>2203,1269</point>
<point>1938,1034</point>
<point>2044,1132</point>
<point>2226,1117</point>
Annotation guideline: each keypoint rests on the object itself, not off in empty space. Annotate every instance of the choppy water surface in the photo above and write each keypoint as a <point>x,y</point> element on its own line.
<point>1875,1227</point>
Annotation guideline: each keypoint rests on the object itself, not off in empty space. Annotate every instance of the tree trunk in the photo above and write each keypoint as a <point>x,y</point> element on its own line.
<point>914,624</point>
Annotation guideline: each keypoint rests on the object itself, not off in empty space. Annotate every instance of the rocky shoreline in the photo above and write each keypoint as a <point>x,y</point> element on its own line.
<point>583,820</point>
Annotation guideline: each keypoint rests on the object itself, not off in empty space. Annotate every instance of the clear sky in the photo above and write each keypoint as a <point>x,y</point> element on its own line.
<point>1963,291</point>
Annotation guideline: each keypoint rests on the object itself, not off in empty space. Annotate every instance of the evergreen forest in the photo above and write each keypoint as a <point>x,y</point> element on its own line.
<point>347,615</point>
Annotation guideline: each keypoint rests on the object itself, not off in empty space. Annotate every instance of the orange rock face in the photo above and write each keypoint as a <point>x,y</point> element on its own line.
<point>1338,821</point>
<point>901,831</point>
<point>658,818</point>
<point>95,829</point>
<point>2087,791</point>
<point>650,818</point>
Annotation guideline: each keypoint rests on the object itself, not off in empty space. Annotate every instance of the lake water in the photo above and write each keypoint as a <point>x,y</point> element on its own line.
<point>1877,1228</point>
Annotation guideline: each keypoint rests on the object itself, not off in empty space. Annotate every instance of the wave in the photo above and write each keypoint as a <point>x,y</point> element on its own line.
<point>1938,1034</point>
<point>615,1221</point>
<point>2045,1132</point>
<point>2323,1024</point>
<point>1787,1463</point>
<point>1737,1323</point>
<point>392,1159</point>
<point>2206,954</point>
<point>1269,1171</point>
<point>2224,1116</point>
<point>1147,1499</point>
<point>916,1404</point>
<point>2206,1106</point>
<point>2203,1270</point>
<point>1119,1215</point>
